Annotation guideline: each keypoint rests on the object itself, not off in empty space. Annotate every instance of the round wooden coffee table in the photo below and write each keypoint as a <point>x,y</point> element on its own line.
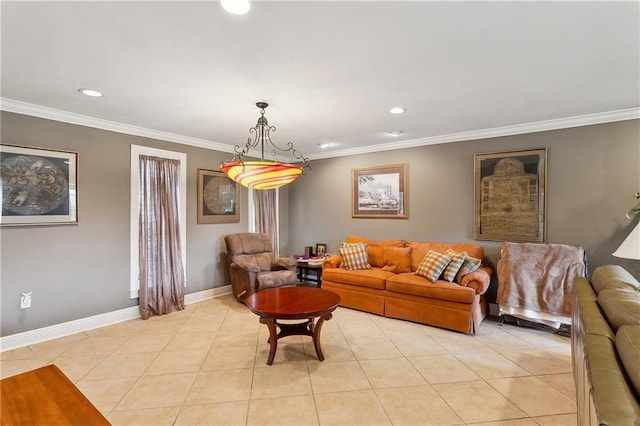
<point>293,303</point>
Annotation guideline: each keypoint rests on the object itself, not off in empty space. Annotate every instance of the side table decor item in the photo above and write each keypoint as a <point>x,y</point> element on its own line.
<point>39,186</point>
<point>264,174</point>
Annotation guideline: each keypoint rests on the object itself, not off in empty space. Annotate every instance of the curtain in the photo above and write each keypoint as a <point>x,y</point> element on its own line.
<point>266,215</point>
<point>161,270</point>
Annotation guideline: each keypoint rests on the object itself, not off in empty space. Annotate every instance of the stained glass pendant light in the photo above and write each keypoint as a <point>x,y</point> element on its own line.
<point>263,174</point>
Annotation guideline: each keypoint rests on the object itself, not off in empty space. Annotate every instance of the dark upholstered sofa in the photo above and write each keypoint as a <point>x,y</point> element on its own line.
<point>605,347</point>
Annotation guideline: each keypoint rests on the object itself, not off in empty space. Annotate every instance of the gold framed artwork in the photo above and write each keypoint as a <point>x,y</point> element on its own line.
<point>510,192</point>
<point>380,192</point>
<point>217,198</point>
<point>39,186</point>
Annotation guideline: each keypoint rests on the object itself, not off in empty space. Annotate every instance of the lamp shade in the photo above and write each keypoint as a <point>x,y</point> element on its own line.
<point>630,247</point>
<point>261,174</point>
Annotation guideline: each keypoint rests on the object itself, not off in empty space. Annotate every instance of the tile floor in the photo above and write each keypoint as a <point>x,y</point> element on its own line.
<point>206,366</point>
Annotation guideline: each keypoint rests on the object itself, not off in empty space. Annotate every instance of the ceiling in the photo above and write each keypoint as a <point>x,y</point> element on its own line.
<point>331,70</point>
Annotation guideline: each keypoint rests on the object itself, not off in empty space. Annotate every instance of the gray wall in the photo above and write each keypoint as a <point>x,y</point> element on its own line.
<point>592,174</point>
<point>76,271</point>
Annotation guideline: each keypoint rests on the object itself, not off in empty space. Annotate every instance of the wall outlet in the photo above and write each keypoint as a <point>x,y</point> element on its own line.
<point>25,300</point>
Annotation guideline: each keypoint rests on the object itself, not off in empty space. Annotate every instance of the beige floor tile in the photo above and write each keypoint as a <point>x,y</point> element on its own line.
<point>539,361</point>
<point>533,396</point>
<point>504,341</point>
<point>374,349</point>
<point>514,422</point>
<point>390,373</point>
<point>149,417</point>
<point>230,358</point>
<point>143,342</point>
<point>242,337</point>
<point>537,338</point>
<point>333,350</point>
<point>105,394</point>
<point>416,405</point>
<point>491,365</point>
<point>158,391</point>
<point>125,328</point>
<point>361,330</point>
<point>286,352</point>
<point>458,342</point>
<point>173,362</point>
<point>287,379</point>
<point>293,410</point>
<point>350,408</point>
<point>563,382</point>
<point>560,420</point>
<point>443,369</point>
<point>77,368</point>
<point>122,365</point>
<point>336,376</point>
<point>415,344</point>
<point>222,413</point>
<point>10,368</point>
<point>95,346</point>
<point>191,341</point>
<point>221,386</point>
<point>476,402</point>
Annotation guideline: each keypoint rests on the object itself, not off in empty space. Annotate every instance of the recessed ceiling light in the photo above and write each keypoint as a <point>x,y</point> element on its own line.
<point>397,110</point>
<point>326,145</point>
<point>90,92</point>
<point>237,7</point>
<point>396,133</point>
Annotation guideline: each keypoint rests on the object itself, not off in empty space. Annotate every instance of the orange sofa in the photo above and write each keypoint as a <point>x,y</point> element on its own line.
<point>392,288</point>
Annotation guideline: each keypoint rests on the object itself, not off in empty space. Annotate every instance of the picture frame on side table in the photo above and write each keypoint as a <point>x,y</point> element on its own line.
<point>321,249</point>
<point>218,198</point>
<point>380,192</point>
<point>510,193</point>
<point>39,186</point>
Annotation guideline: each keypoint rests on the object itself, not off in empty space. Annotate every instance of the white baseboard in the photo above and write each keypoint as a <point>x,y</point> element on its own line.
<point>83,324</point>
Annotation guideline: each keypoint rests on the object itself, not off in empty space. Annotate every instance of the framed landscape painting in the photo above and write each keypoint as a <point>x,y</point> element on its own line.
<point>380,192</point>
<point>510,190</point>
<point>217,198</point>
<point>39,186</point>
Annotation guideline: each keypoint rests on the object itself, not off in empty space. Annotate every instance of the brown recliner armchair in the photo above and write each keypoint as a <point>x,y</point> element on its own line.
<point>253,266</point>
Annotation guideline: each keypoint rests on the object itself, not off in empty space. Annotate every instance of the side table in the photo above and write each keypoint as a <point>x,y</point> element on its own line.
<point>307,272</point>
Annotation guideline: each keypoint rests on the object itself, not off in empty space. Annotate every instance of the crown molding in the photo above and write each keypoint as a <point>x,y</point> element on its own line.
<point>19,107</point>
<point>518,129</point>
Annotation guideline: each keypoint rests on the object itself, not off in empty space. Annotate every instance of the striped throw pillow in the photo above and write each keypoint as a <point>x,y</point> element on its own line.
<point>354,256</point>
<point>470,264</point>
<point>432,265</point>
<point>452,268</point>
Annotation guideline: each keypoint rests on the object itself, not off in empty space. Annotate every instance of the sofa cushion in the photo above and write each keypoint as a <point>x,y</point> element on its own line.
<point>432,265</point>
<point>613,276</point>
<point>621,306</point>
<point>397,259</point>
<point>469,265</point>
<point>375,253</point>
<point>453,267</point>
<point>628,348</point>
<point>587,314</point>
<point>420,249</point>
<point>354,256</point>
<point>412,284</point>
<point>386,243</point>
<point>271,279</point>
<point>372,278</point>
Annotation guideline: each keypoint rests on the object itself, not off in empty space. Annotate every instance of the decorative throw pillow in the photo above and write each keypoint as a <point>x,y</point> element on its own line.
<point>469,265</point>
<point>354,256</point>
<point>453,267</point>
<point>397,259</point>
<point>432,265</point>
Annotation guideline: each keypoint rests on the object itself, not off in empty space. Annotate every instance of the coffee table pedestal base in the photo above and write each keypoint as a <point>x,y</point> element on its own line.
<point>307,328</point>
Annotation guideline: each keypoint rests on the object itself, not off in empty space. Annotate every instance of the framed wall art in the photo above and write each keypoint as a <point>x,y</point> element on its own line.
<point>39,186</point>
<point>217,198</point>
<point>510,195</point>
<point>380,192</point>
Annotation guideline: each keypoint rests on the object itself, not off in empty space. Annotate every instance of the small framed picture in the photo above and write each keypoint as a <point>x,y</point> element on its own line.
<point>39,186</point>
<point>217,198</point>
<point>321,249</point>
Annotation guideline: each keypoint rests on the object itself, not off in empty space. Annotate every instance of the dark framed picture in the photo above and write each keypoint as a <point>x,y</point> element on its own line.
<point>321,249</point>
<point>380,192</point>
<point>510,195</point>
<point>217,198</point>
<point>39,186</point>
